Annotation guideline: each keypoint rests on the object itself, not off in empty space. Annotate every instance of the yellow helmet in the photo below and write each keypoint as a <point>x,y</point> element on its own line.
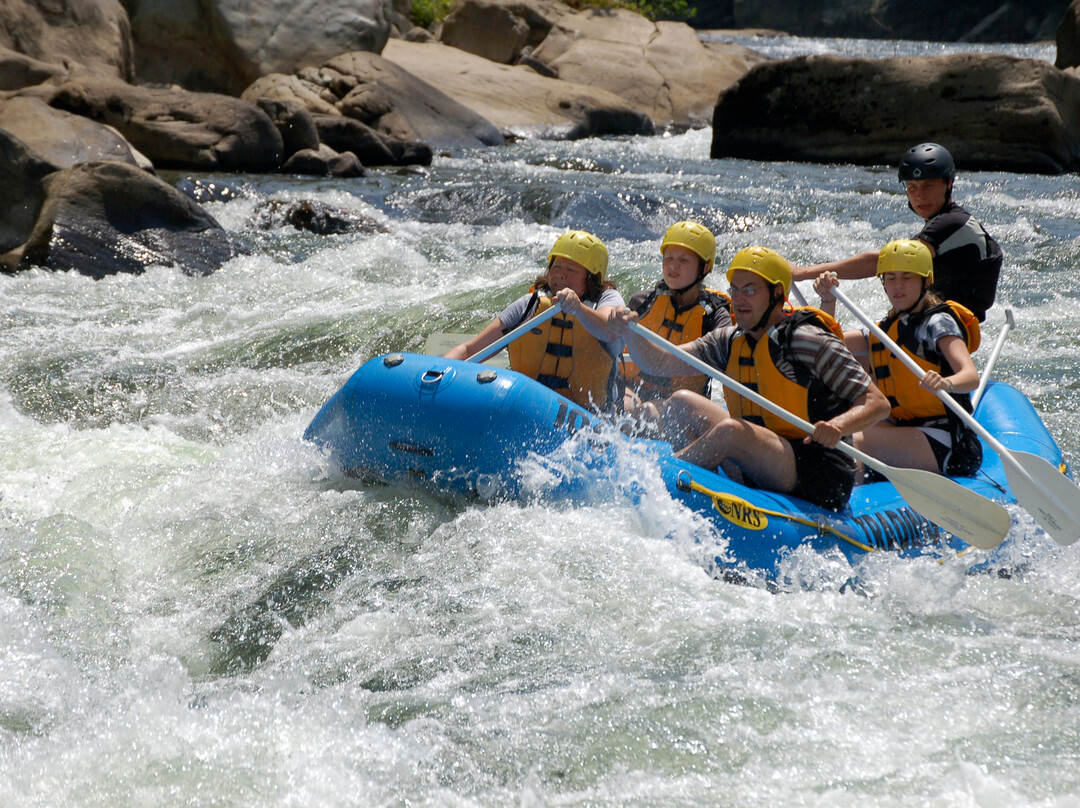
<point>765,263</point>
<point>906,255</point>
<point>585,248</point>
<point>696,238</point>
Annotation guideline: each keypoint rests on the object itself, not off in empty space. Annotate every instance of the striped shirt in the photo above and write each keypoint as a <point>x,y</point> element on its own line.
<point>826,356</point>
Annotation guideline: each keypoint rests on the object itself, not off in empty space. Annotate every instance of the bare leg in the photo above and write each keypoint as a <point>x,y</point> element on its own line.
<point>903,446</point>
<point>687,416</point>
<point>739,446</point>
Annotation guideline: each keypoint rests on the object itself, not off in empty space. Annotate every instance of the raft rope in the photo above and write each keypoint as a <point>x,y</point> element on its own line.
<point>686,483</point>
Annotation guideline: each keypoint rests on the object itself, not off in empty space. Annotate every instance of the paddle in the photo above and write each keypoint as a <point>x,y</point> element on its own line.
<point>962,512</point>
<point>510,336</point>
<point>797,294</point>
<point>1040,488</point>
<point>985,377</point>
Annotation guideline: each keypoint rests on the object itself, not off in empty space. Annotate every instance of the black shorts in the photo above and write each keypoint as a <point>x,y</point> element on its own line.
<point>964,457</point>
<point>824,476</point>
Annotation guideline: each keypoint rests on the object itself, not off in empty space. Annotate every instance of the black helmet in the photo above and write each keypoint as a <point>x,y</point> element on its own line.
<point>927,161</point>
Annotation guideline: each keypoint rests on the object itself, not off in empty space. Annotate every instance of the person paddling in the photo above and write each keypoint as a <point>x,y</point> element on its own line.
<point>967,261</point>
<point>573,353</point>
<point>791,357</point>
<point>680,309</point>
<point>921,432</point>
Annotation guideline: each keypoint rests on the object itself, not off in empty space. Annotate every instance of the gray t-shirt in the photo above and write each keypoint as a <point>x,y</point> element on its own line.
<point>930,330</point>
<point>823,353</point>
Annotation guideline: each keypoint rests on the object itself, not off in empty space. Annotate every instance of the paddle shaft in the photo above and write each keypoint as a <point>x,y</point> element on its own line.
<point>797,294</point>
<point>1043,503</point>
<point>510,336</point>
<point>985,377</point>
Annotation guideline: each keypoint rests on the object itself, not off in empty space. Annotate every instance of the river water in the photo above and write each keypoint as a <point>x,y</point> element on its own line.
<point>196,609</point>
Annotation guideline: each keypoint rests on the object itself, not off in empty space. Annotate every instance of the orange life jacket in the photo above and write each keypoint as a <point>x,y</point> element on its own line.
<point>910,402</point>
<point>562,355</point>
<point>678,327</point>
<point>755,366</point>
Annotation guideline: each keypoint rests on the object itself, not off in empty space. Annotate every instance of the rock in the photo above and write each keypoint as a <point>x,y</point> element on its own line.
<point>662,68</point>
<point>418,34</point>
<point>407,114</point>
<point>537,106</point>
<point>324,162</point>
<point>94,33</point>
<point>387,98</point>
<point>308,91</point>
<point>297,127</point>
<point>1068,37</point>
<point>315,217</point>
<point>372,147</point>
<point>109,217</point>
<point>176,128</point>
<point>499,30</point>
<point>225,45</point>
<point>18,70</point>
<point>348,135</point>
<point>992,112</point>
<point>61,138</point>
<point>21,172</point>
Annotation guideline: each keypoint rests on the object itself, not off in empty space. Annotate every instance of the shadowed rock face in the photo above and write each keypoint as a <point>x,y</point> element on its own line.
<point>224,45</point>
<point>103,218</point>
<point>1068,37</point>
<point>21,172</point>
<point>994,112</point>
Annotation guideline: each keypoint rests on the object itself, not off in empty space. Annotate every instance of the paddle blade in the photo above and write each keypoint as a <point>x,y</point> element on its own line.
<point>1049,496</point>
<point>967,515</point>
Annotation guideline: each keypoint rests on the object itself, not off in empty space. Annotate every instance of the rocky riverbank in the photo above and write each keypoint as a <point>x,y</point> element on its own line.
<point>98,97</point>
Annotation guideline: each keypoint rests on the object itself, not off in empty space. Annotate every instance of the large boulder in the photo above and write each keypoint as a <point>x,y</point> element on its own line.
<point>660,68</point>
<point>94,33</point>
<point>380,94</point>
<point>176,128</point>
<point>519,101</point>
<point>108,217</point>
<point>993,112</point>
<point>224,45</point>
<point>35,141</point>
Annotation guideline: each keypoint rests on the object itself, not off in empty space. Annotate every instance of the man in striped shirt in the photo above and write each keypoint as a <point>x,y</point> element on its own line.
<point>791,358</point>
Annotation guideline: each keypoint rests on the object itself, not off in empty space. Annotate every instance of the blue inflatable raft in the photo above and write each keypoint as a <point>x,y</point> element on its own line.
<point>470,430</point>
